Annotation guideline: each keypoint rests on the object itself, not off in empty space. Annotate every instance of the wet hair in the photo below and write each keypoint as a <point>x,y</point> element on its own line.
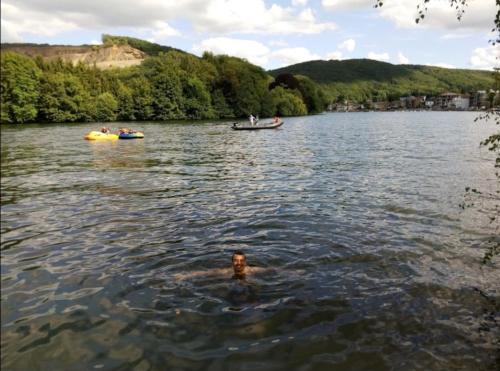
<point>238,252</point>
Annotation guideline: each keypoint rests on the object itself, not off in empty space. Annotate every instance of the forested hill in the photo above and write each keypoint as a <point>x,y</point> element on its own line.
<point>129,79</point>
<point>360,79</point>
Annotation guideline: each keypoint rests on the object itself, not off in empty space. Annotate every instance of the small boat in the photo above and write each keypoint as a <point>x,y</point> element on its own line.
<point>267,125</point>
<point>97,135</point>
<point>131,135</point>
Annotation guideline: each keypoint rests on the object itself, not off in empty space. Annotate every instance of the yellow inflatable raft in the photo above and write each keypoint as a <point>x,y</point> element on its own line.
<point>97,135</point>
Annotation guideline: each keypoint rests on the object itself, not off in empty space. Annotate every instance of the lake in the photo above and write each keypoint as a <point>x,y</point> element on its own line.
<point>372,264</point>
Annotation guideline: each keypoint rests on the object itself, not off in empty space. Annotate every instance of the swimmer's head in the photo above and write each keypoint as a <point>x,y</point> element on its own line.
<point>239,263</point>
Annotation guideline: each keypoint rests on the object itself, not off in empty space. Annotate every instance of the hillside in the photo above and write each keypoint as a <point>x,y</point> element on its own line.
<point>115,51</point>
<point>361,79</point>
<point>102,56</point>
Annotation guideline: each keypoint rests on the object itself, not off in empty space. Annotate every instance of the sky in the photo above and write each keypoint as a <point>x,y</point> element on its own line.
<point>272,33</point>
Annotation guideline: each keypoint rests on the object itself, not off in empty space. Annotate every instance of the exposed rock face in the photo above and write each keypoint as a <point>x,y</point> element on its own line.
<point>102,56</point>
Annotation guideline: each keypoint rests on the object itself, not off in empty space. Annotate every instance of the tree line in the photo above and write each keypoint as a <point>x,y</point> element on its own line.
<point>166,86</point>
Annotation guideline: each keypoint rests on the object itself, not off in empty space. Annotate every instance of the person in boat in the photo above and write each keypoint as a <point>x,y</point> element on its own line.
<point>252,119</point>
<point>124,130</point>
<point>276,119</point>
<point>105,130</point>
<point>239,270</point>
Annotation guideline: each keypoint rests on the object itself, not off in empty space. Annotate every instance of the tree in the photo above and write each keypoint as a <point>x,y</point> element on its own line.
<point>222,109</point>
<point>310,95</point>
<point>106,107</point>
<point>142,98</point>
<point>166,88</point>
<point>19,84</point>
<point>288,103</point>
<point>196,99</point>
<point>125,102</point>
<point>64,99</point>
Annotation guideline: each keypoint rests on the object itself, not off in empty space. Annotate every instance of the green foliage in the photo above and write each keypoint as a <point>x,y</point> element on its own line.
<point>288,102</point>
<point>64,99</point>
<point>106,107</point>
<point>124,100</point>
<point>313,96</point>
<point>242,84</point>
<point>166,88</point>
<point>19,84</point>
<point>147,47</point>
<point>220,105</point>
<point>142,98</point>
<point>196,102</point>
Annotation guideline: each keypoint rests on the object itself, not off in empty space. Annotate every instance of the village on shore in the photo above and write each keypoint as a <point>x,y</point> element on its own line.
<point>480,100</point>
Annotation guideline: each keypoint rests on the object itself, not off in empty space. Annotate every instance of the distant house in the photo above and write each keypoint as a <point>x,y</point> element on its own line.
<point>478,99</point>
<point>443,101</point>
<point>429,103</point>
<point>380,106</point>
<point>412,102</point>
<point>396,104</point>
<point>460,103</point>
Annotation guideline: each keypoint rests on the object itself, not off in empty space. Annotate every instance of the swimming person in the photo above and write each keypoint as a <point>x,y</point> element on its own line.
<point>239,270</point>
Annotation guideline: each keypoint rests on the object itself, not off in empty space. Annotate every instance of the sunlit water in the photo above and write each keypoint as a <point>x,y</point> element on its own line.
<point>375,265</point>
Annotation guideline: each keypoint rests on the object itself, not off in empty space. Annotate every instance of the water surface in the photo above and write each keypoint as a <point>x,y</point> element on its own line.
<point>373,264</point>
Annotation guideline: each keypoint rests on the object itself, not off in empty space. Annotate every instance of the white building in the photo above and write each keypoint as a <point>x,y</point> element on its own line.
<point>460,102</point>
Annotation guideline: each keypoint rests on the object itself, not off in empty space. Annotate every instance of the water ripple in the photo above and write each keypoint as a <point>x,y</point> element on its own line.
<point>370,262</point>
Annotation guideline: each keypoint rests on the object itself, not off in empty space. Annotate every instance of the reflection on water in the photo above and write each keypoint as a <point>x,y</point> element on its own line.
<point>374,265</point>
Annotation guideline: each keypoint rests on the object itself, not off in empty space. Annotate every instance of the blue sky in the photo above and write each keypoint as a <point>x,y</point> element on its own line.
<point>270,33</point>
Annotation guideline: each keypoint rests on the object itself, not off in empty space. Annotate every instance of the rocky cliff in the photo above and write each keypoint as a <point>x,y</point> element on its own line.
<point>102,56</point>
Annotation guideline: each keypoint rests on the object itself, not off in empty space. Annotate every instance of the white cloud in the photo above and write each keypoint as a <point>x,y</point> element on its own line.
<point>384,57</point>
<point>254,51</point>
<point>347,4</point>
<point>478,16</point>
<point>16,22</point>
<point>402,59</point>
<point>250,50</point>
<point>47,18</point>
<point>349,45</point>
<point>9,33</point>
<point>443,65</point>
<point>280,43</point>
<point>289,56</point>
<point>252,16</point>
<point>485,58</point>
<point>299,2</point>
<point>455,36</point>
<point>336,55</point>
<point>162,31</point>
<point>95,42</point>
